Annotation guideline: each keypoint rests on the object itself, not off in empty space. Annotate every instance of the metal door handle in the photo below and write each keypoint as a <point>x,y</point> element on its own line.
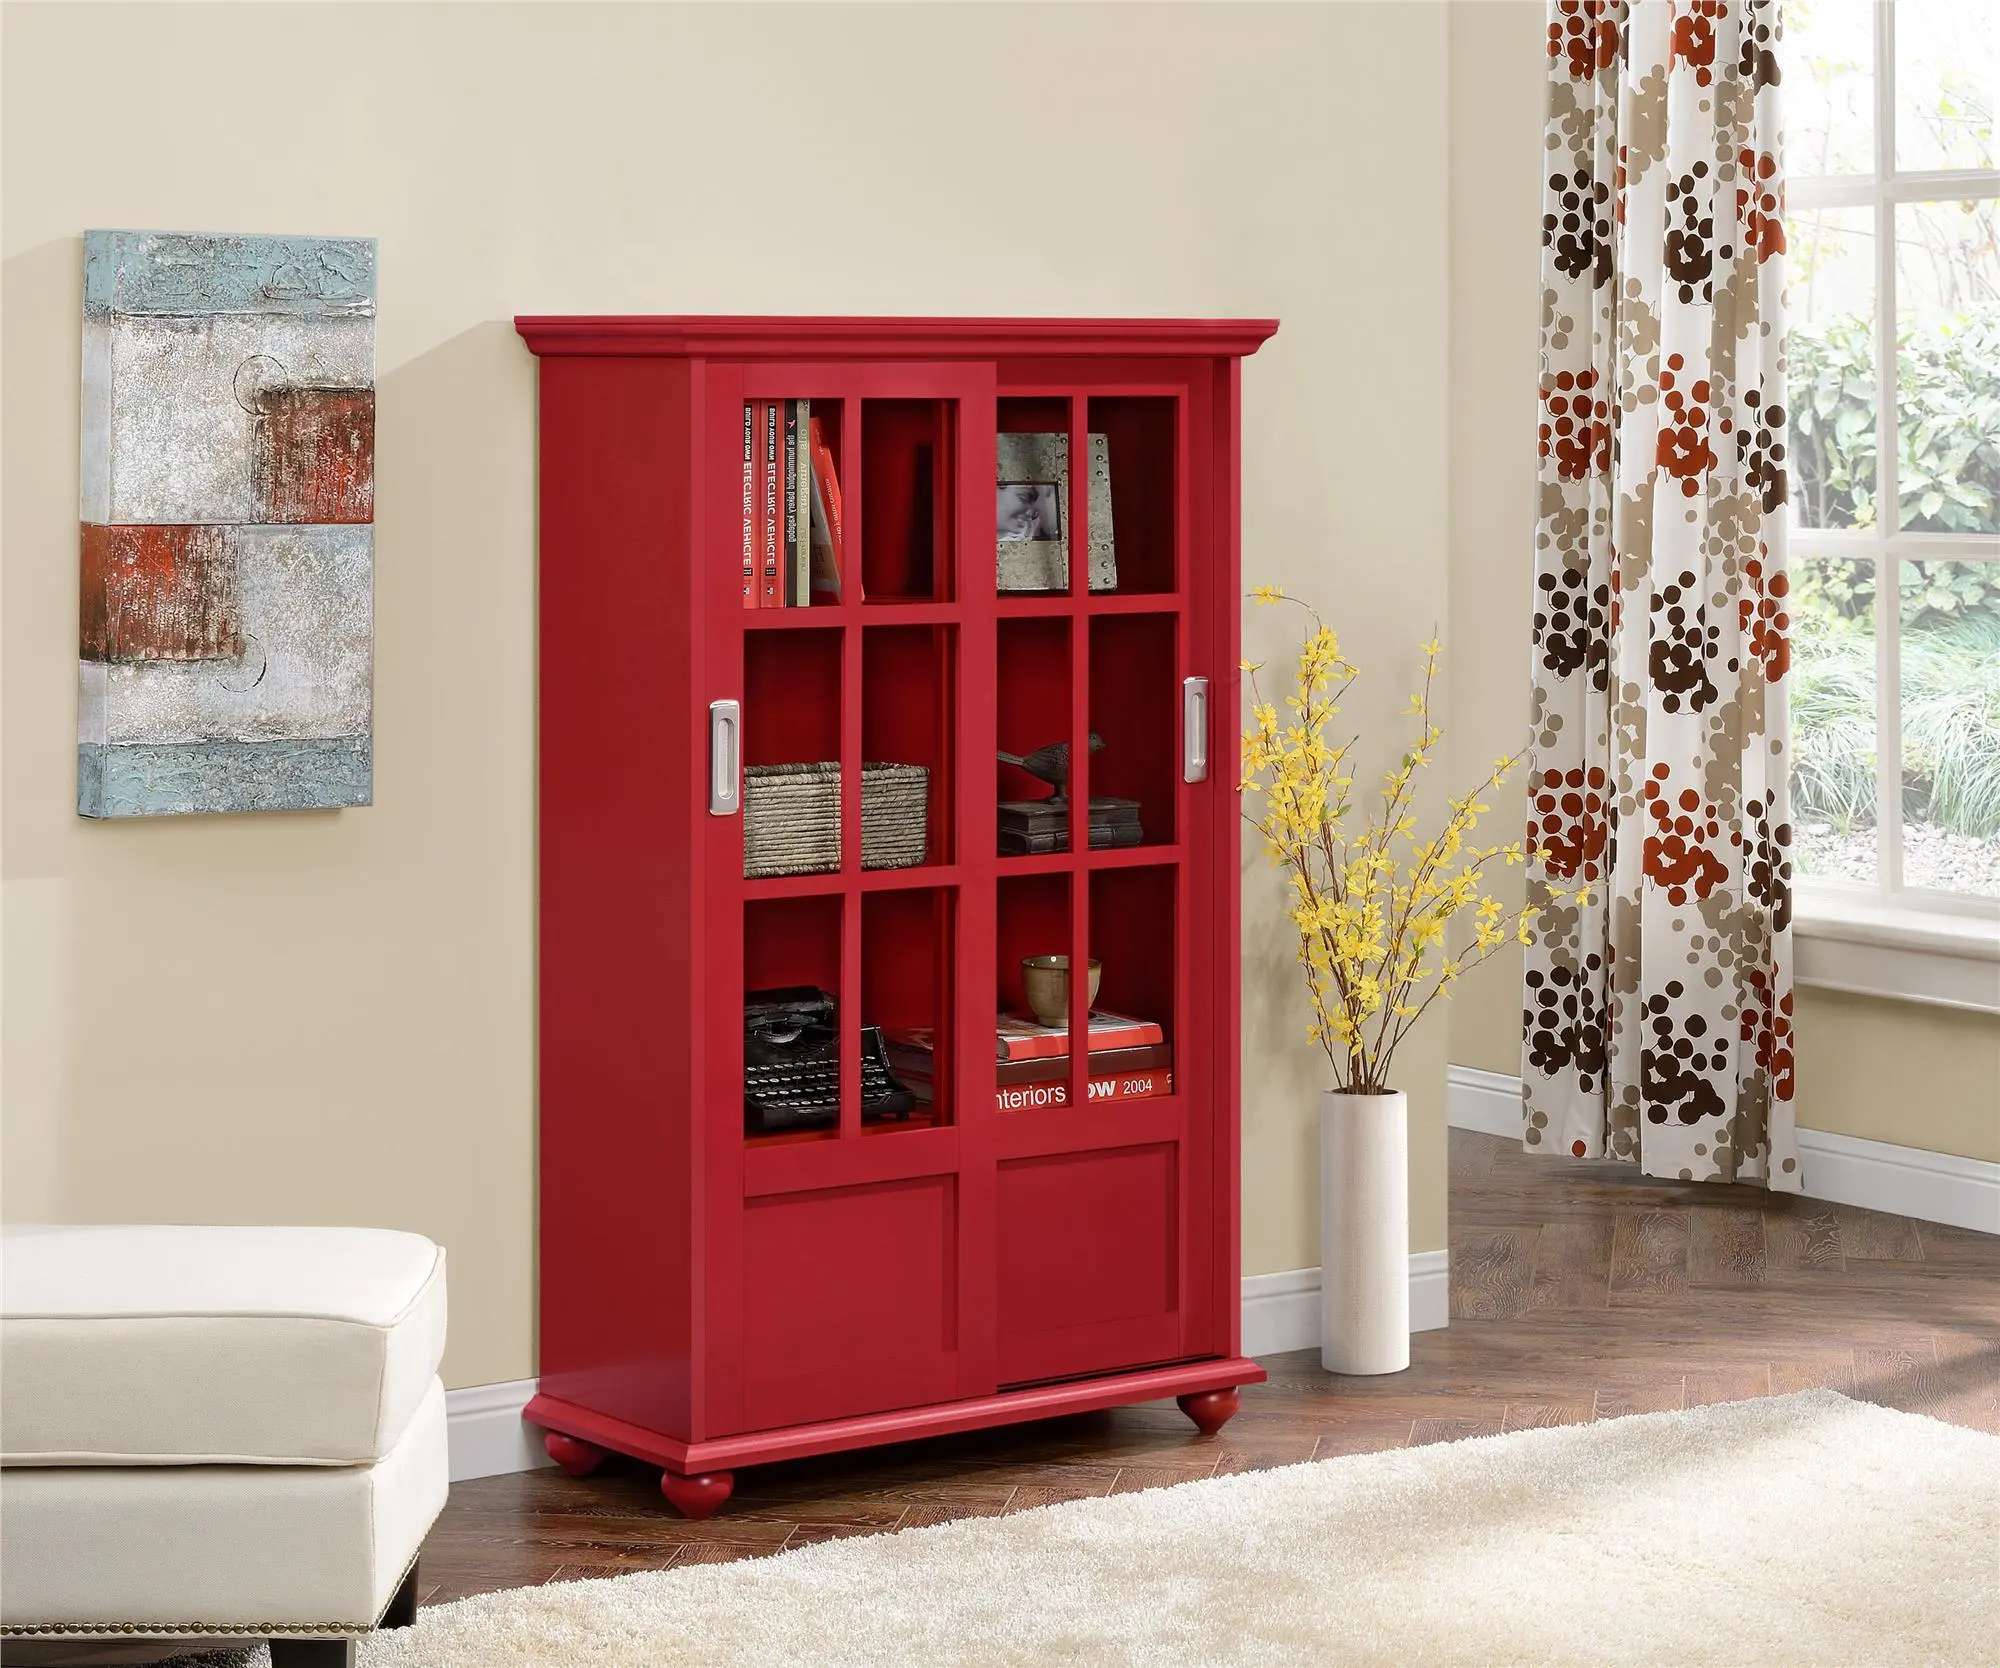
<point>725,758</point>
<point>1194,729</point>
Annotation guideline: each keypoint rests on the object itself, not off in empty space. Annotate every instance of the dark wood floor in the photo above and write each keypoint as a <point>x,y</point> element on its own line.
<point>1579,1291</point>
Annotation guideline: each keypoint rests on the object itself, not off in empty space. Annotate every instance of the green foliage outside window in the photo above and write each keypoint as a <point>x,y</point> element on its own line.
<point>1951,723</point>
<point>1949,475</point>
<point>1948,406</point>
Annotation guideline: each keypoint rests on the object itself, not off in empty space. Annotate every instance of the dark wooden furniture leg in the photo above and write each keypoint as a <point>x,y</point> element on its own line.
<point>697,1497</point>
<point>312,1653</point>
<point>402,1611</point>
<point>576,1457</point>
<point>1210,1410</point>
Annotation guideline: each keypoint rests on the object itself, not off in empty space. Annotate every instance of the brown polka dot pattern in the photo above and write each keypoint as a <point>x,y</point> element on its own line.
<point>1657,1002</point>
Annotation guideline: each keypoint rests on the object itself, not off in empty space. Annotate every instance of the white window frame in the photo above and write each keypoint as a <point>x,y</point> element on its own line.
<point>1885,938</point>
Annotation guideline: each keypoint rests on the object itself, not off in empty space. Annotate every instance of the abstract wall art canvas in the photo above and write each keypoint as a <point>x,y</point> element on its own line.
<point>228,501</point>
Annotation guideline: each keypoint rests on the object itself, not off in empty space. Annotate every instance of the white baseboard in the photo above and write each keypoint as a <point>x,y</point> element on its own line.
<point>1842,1169</point>
<point>1281,1311</point>
<point>1488,1101</point>
<point>487,1438</point>
<point>1430,1291</point>
<point>1933,1187</point>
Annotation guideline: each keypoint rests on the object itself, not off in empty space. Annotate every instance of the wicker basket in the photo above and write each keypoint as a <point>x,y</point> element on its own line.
<point>791,817</point>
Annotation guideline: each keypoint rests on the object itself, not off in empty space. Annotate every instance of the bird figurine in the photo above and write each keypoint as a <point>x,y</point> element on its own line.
<point>1051,764</point>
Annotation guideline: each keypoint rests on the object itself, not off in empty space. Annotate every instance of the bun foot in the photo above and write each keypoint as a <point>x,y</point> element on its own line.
<point>577,1457</point>
<point>697,1497</point>
<point>1210,1409</point>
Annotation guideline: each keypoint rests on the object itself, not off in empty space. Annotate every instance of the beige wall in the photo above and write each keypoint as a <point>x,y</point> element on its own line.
<point>329,1017</point>
<point>1497,59</point>
<point>1886,1071</point>
<point>1906,1072</point>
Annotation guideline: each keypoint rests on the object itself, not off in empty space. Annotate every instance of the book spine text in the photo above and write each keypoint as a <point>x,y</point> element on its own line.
<point>772,597</point>
<point>749,504</point>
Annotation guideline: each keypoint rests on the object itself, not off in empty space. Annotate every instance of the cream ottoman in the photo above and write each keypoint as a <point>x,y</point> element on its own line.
<point>218,1431</point>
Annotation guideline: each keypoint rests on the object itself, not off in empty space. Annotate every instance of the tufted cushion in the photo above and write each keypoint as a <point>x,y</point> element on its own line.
<point>191,1346</point>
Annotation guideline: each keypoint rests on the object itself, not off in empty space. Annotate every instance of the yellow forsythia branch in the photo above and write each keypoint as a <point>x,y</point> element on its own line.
<point>1372,901</point>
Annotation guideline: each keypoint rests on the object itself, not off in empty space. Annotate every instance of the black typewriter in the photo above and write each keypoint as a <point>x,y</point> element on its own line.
<point>791,1064</point>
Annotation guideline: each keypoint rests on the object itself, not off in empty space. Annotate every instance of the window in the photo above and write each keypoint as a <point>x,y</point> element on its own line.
<point>1894,233</point>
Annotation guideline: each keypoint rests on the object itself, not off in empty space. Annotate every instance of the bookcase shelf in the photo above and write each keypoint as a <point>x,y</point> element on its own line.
<point>1065,607</point>
<point>1035,1235</point>
<point>1134,857</point>
<point>821,616</point>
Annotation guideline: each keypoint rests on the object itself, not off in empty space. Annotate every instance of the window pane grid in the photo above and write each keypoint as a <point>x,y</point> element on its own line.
<point>1934,790</point>
<point>1888,661</point>
<point>1888,729</point>
<point>1948,726</point>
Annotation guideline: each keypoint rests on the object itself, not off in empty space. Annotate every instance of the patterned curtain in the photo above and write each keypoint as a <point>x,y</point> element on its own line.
<point>1658,1007</point>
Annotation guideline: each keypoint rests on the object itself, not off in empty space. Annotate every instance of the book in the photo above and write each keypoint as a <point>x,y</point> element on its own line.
<point>800,554</point>
<point>1016,1038</point>
<point>1029,826</point>
<point>1054,1092</point>
<point>913,1062</point>
<point>750,591</point>
<point>772,597</point>
<point>790,522</point>
<point>1139,1085</point>
<point>1016,843</point>
<point>825,517</point>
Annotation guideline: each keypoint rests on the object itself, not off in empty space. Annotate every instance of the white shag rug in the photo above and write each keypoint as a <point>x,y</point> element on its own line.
<point>1802,1529</point>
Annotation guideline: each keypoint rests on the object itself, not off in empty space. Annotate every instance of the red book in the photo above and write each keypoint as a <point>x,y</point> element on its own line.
<point>750,587</point>
<point>774,595</point>
<point>1027,1039</point>
<point>825,514</point>
<point>912,1060</point>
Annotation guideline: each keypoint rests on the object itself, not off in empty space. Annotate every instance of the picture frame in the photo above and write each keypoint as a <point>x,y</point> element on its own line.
<point>1031,514</point>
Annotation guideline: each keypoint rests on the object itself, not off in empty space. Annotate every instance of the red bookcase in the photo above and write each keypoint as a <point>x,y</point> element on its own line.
<point>712,1298</point>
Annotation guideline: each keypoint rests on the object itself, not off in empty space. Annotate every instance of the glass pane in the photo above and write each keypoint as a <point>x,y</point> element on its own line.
<point>1948,365</point>
<point>908,452</point>
<point>908,962</point>
<point>1035,949</point>
<point>1833,717</point>
<point>793,1020</point>
<point>1034,737</point>
<point>908,674</point>
<point>1831,353</point>
<point>1140,444</point>
<point>1947,75</point>
<point>1951,726</point>
<point>1828,60</point>
<point>791,505</point>
<point>1135,710</point>
<point>1034,502</point>
<point>791,752</point>
<point>1134,922</point>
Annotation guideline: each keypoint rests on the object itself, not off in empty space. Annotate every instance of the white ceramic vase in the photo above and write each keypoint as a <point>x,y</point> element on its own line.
<point>1364,1233</point>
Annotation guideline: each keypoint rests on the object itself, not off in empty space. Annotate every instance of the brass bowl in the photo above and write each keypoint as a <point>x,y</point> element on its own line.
<point>1046,980</point>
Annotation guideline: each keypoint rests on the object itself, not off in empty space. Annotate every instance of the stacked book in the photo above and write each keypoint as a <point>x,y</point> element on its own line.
<point>1028,826</point>
<point>1130,1059</point>
<point>791,507</point>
